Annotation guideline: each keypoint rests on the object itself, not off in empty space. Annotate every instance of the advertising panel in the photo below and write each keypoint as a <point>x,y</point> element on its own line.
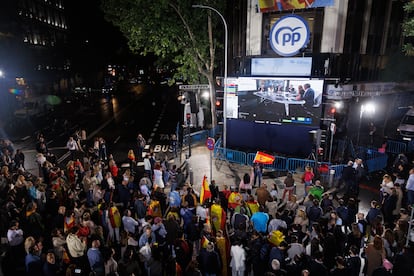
<point>290,67</point>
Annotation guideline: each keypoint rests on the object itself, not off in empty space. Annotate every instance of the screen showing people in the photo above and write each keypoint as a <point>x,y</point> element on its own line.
<point>284,101</point>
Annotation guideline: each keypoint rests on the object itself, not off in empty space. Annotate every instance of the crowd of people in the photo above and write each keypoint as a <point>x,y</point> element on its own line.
<point>92,217</point>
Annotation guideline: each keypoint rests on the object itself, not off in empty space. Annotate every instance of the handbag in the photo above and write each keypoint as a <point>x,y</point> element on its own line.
<point>387,264</point>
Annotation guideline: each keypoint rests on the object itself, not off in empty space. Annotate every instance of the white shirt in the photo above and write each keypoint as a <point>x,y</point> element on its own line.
<point>147,164</point>
<point>238,257</point>
<point>410,183</point>
<point>15,237</point>
<point>129,224</point>
<point>71,145</point>
<point>158,179</point>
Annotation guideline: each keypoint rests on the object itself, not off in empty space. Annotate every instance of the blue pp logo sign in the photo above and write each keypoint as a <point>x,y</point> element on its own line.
<point>289,35</point>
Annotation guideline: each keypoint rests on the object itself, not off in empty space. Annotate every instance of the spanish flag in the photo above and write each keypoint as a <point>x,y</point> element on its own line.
<point>204,241</point>
<point>218,217</point>
<point>205,191</point>
<point>263,158</point>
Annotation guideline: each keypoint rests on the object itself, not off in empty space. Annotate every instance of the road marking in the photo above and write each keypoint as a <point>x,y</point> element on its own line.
<point>152,134</point>
<point>54,148</point>
<point>25,138</point>
<point>149,141</point>
<point>117,139</point>
<point>63,157</point>
<point>147,146</point>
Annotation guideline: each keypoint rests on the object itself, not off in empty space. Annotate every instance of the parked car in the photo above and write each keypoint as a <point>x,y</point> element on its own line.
<point>406,127</point>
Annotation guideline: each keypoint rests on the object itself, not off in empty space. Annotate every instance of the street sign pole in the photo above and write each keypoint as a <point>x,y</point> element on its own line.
<point>188,117</point>
<point>332,129</point>
<point>211,165</point>
<point>210,145</point>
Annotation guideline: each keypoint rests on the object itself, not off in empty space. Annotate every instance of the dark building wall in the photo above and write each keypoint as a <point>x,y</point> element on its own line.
<point>34,45</point>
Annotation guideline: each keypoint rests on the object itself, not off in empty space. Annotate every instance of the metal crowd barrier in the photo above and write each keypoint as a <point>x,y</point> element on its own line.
<point>396,147</point>
<point>376,164</point>
<point>278,165</point>
<point>298,165</point>
<point>338,170</point>
<point>374,160</point>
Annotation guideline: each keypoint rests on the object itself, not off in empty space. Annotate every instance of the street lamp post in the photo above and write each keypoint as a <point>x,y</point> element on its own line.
<point>370,108</point>
<point>225,71</point>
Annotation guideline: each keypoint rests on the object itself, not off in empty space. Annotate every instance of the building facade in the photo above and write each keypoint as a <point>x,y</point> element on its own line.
<point>350,40</point>
<point>33,37</point>
<point>355,47</point>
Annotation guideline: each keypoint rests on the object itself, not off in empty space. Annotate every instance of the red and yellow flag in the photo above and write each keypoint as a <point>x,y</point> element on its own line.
<point>263,158</point>
<point>218,217</point>
<point>205,191</point>
<point>204,242</point>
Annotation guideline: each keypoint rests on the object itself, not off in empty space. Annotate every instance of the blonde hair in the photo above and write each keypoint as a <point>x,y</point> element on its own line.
<point>28,243</point>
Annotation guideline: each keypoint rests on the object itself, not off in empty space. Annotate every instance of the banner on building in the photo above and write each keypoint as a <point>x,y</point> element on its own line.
<point>285,5</point>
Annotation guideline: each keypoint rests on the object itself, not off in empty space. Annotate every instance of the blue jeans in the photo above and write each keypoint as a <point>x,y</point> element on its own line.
<point>257,176</point>
<point>410,197</point>
<point>307,184</point>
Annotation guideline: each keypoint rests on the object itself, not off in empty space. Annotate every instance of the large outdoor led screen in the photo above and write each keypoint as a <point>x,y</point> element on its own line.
<point>279,101</point>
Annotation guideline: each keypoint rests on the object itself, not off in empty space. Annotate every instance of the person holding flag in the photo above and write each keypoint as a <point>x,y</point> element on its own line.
<point>260,159</point>
<point>263,158</point>
<point>205,191</point>
<point>218,217</point>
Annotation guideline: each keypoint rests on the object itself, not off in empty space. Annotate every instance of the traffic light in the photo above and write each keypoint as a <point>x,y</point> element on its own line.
<point>188,118</point>
<point>219,105</point>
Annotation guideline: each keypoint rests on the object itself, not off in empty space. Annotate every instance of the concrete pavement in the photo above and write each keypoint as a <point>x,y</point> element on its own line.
<point>230,174</point>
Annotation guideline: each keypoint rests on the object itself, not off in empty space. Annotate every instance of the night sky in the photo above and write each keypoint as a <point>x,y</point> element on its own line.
<point>91,38</point>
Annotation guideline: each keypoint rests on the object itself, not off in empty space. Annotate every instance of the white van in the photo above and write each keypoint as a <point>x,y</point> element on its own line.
<point>406,127</point>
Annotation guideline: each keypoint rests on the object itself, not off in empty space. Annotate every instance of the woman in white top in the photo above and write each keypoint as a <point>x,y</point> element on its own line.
<point>158,176</point>
<point>386,186</point>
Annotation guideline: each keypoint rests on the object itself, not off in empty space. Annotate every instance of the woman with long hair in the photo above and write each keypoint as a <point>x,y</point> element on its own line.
<point>301,219</point>
<point>390,244</point>
<point>354,237</point>
<point>158,176</point>
<point>374,253</point>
